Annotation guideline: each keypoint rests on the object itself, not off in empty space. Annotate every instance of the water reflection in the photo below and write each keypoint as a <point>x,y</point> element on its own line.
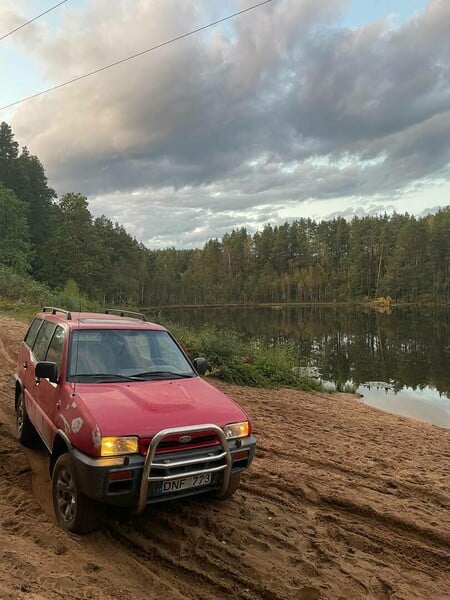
<point>409,348</point>
<point>423,404</point>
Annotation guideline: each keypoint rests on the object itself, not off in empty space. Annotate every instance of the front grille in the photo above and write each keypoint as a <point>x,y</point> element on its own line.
<point>172,443</point>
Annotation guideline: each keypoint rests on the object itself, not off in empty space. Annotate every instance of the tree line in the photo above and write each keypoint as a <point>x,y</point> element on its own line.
<point>58,239</point>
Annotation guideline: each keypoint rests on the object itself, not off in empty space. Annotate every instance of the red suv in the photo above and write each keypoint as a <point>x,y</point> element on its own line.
<point>124,414</point>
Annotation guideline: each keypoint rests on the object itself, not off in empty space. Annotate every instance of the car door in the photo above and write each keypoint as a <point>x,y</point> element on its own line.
<point>24,374</point>
<point>48,392</point>
<point>32,396</point>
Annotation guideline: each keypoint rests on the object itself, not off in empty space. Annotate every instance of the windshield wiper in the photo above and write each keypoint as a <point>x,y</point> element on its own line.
<point>160,373</point>
<point>107,376</point>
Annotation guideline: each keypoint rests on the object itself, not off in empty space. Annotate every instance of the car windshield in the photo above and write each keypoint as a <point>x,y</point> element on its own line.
<point>106,355</point>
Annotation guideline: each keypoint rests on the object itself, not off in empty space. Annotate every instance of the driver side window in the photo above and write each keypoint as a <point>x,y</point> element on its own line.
<point>55,350</point>
<point>43,338</point>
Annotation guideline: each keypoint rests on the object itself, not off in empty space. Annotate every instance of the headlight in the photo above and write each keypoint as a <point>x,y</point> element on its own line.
<point>112,446</point>
<point>237,430</point>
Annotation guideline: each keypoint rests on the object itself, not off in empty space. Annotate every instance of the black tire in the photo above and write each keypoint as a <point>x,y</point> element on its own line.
<point>233,485</point>
<point>26,432</point>
<point>74,511</point>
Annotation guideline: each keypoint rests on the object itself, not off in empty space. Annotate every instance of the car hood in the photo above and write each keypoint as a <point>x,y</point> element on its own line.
<point>144,408</point>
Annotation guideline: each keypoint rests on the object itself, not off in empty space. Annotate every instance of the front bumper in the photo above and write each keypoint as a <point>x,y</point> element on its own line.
<point>134,481</point>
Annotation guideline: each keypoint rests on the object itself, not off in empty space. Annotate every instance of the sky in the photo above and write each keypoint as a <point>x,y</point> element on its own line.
<point>298,108</point>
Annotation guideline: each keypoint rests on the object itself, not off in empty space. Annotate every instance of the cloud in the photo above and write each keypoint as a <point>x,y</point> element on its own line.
<point>277,107</point>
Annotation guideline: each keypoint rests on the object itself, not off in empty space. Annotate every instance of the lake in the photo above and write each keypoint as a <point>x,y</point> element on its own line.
<point>400,361</point>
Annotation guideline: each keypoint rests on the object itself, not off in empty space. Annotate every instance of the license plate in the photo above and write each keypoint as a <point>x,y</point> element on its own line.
<point>185,483</point>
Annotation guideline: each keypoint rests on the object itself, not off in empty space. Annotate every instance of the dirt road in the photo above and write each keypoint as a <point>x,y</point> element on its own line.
<point>343,502</point>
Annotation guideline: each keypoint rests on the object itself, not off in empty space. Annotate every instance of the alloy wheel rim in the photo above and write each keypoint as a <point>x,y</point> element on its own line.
<point>66,495</point>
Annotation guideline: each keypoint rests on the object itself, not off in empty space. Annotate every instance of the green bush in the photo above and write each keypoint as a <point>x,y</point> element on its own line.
<point>24,295</point>
<point>250,363</point>
<point>22,289</point>
<point>70,298</point>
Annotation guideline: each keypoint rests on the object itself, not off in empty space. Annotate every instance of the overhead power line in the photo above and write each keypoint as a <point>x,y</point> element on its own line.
<point>33,19</point>
<point>119,62</point>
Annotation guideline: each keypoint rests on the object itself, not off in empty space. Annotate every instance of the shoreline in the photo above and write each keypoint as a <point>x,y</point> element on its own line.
<point>373,304</point>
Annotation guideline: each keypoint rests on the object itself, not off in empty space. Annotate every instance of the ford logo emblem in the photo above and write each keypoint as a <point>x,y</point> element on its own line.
<point>184,439</point>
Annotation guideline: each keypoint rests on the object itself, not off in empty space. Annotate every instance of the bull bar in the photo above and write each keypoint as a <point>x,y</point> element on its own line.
<point>160,436</point>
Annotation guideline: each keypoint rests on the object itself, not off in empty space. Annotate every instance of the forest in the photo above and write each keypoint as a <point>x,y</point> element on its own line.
<point>57,240</point>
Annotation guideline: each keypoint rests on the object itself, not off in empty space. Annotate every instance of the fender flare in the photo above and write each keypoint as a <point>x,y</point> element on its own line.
<point>60,441</point>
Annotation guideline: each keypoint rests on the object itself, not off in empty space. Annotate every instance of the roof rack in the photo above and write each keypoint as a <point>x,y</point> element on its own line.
<point>125,313</point>
<point>54,310</point>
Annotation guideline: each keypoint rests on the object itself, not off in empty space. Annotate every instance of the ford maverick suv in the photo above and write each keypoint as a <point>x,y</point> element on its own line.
<point>125,415</point>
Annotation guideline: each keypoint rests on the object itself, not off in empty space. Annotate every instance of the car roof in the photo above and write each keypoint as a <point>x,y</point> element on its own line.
<point>90,320</point>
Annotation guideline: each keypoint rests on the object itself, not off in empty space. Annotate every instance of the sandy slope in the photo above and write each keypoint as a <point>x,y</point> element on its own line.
<point>342,502</point>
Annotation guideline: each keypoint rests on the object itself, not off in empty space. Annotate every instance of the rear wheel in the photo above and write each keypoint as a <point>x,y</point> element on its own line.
<point>26,432</point>
<point>74,511</point>
<point>233,485</point>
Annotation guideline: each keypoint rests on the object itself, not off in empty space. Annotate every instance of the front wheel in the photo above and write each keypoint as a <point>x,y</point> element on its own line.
<point>233,485</point>
<point>74,511</point>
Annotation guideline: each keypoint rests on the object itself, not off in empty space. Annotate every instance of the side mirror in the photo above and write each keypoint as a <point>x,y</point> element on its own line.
<point>47,370</point>
<point>200,365</point>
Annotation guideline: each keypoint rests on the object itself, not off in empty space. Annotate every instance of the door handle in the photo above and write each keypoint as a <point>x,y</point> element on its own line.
<point>25,365</point>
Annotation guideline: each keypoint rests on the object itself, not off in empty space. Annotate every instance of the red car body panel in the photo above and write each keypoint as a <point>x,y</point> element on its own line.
<point>141,409</point>
<point>144,408</point>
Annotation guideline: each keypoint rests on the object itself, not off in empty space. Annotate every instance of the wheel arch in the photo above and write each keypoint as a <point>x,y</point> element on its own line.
<point>61,445</point>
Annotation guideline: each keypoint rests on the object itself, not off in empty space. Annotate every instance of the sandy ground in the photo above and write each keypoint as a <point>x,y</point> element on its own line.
<point>342,502</point>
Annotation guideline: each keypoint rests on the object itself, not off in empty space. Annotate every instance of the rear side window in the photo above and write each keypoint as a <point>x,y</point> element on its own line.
<point>32,332</point>
<point>55,350</point>
<point>42,340</point>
